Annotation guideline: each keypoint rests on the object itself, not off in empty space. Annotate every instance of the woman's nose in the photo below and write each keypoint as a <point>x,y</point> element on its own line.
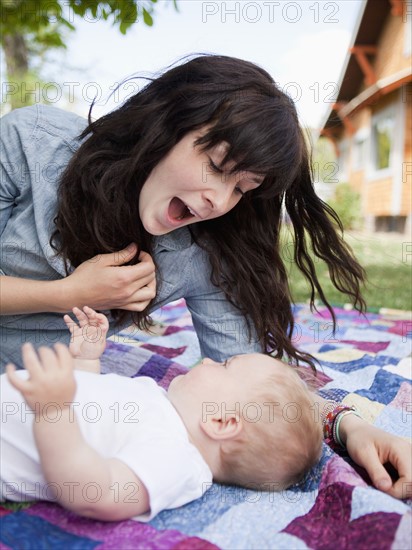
<point>219,201</point>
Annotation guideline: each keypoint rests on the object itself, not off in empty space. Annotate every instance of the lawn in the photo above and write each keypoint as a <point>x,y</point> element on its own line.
<point>387,258</point>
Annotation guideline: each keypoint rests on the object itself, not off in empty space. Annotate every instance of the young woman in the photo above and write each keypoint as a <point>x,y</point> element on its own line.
<point>193,171</point>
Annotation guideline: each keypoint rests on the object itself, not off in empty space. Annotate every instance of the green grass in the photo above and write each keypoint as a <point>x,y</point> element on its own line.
<point>387,260</point>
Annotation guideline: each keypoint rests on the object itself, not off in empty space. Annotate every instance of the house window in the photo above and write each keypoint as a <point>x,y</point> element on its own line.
<point>390,224</point>
<point>382,139</point>
<point>360,146</point>
<point>359,154</point>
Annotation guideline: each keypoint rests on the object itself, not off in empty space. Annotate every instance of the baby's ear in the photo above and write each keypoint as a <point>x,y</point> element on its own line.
<point>217,428</point>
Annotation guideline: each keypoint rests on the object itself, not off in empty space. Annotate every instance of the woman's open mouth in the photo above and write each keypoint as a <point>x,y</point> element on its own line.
<point>179,211</point>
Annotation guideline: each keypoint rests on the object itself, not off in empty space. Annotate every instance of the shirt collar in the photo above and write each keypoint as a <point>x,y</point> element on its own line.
<point>179,239</point>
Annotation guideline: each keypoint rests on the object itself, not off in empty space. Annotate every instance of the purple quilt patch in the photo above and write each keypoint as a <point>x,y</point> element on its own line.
<point>169,353</point>
<point>374,347</point>
<point>328,524</point>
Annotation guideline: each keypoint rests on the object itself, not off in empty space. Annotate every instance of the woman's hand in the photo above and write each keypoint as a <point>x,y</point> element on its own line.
<point>51,379</point>
<point>103,282</point>
<point>88,338</point>
<point>371,447</point>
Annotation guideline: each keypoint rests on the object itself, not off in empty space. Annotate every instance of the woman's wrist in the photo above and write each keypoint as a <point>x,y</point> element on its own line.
<point>335,428</point>
<point>347,424</point>
<point>62,295</point>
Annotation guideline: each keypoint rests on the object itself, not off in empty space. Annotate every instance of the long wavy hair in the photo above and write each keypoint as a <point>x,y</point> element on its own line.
<point>240,104</point>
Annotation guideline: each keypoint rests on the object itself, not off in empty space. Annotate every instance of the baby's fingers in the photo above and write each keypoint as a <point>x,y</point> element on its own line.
<point>70,324</point>
<point>48,359</point>
<point>81,317</point>
<point>98,318</point>
<point>15,380</point>
<point>31,360</point>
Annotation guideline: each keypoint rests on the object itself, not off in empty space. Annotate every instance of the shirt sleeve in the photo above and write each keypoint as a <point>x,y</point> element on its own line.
<point>221,328</point>
<point>15,128</point>
<point>172,471</point>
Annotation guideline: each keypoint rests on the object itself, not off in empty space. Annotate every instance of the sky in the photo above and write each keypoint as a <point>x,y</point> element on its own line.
<point>303,45</point>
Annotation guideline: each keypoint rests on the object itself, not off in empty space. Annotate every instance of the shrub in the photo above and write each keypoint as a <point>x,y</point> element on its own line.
<point>347,204</point>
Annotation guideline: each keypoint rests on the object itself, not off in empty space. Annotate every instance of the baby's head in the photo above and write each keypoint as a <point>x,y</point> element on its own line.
<point>252,418</point>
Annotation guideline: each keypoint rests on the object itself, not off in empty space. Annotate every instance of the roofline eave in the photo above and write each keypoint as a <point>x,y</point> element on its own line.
<point>385,85</point>
<point>346,63</point>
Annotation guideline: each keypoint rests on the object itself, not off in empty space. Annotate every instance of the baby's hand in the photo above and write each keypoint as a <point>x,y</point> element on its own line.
<point>51,379</point>
<point>88,340</point>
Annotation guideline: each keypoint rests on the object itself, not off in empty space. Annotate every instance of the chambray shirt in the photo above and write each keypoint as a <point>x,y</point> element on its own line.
<point>36,145</point>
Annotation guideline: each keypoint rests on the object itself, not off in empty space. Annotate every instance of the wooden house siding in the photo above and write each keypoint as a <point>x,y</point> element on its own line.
<point>390,57</point>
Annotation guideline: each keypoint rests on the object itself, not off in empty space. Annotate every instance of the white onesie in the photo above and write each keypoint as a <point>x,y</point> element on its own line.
<point>130,419</point>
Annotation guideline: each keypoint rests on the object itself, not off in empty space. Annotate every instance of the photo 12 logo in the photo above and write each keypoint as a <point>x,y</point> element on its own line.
<point>53,92</point>
<point>253,12</point>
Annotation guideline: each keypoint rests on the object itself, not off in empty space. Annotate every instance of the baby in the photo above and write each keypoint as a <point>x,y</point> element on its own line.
<point>112,448</point>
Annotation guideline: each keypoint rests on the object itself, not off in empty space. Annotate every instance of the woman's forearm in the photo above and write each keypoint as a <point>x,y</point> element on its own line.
<point>18,296</point>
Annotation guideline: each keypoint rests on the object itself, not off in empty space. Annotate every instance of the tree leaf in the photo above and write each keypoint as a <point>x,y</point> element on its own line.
<point>147,18</point>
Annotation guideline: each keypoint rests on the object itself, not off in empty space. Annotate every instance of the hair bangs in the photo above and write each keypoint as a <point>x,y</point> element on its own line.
<point>263,137</point>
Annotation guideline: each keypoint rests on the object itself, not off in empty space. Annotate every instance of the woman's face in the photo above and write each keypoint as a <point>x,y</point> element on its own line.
<point>185,187</point>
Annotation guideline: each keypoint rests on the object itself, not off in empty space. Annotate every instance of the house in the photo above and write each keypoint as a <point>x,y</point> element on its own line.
<point>370,123</point>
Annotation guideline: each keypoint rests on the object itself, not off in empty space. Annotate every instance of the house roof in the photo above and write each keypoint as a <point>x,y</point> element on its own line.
<point>368,28</point>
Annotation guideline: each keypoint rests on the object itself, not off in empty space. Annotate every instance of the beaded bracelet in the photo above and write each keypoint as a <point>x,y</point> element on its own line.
<point>328,419</point>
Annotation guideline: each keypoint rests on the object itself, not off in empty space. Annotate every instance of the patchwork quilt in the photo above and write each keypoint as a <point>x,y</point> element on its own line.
<point>367,363</point>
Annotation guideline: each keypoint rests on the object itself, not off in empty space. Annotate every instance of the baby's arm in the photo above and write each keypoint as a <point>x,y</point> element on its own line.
<point>88,338</point>
<point>84,481</point>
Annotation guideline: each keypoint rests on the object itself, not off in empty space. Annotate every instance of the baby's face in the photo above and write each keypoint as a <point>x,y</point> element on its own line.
<point>229,381</point>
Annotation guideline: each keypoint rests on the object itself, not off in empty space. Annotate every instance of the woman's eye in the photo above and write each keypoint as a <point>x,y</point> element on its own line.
<point>214,167</point>
<point>218,170</point>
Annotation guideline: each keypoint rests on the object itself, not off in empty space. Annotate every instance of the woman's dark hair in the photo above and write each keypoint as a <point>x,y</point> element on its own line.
<point>240,104</point>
